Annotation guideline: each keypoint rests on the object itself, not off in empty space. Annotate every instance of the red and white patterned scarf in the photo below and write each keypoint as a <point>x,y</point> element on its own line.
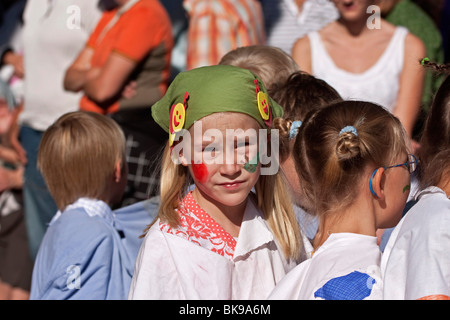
<point>198,227</point>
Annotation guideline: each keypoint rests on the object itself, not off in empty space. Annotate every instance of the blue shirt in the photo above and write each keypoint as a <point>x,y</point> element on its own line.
<point>88,252</point>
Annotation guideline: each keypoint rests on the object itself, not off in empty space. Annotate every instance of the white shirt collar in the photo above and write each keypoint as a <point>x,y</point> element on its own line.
<point>430,190</point>
<point>254,231</point>
<point>93,207</point>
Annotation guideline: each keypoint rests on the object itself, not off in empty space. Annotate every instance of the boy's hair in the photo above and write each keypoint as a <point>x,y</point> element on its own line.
<point>299,95</point>
<point>331,163</point>
<point>78,154</point>
<point>434,152</point>
<point>269,63</point>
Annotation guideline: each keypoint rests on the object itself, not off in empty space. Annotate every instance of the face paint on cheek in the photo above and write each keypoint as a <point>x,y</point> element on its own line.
<point>200,171</point>
<point>252,164</point>
<point>406,188</point>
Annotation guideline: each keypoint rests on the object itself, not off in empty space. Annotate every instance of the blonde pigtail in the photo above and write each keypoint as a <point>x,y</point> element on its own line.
<point>276,205</point>
<point>173,186</point>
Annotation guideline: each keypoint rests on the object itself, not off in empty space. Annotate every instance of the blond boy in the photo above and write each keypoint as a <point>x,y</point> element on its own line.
<point>84,252</point>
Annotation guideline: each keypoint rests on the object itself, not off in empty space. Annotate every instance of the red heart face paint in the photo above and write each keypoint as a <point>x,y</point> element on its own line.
<point>200,171</point>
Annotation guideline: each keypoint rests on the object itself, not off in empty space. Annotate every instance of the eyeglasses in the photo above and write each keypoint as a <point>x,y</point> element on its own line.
<point>410,165</point>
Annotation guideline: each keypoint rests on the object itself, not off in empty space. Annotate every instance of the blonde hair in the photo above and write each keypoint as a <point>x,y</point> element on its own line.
<point>78,154</point>
<point>330,163</point>
<point>270,196</point>
<point>269,63</point>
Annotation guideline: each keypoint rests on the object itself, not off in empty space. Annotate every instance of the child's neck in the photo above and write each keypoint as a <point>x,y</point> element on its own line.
<point>359,218</point>
<point>444,185</point>
<point>228,217</point>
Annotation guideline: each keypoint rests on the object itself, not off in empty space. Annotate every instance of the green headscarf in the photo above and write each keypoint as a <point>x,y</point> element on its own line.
<point>206,90</point>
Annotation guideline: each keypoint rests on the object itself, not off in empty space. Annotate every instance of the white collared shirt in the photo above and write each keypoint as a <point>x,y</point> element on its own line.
<point>175,265</point>
<point>416,261</point>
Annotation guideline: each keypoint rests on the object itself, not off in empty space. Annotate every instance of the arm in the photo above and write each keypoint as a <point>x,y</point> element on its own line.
<point>99,84</point>
<point>11,179</point>
<point>411,84</point>
<point>16,60</point>
<point>301,53</point>
<point>76,75</point>
<point>11,138</point>
<point>104,83</point>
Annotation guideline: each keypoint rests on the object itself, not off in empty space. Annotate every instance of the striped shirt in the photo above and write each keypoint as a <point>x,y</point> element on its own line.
<point>219,26</point>
<point>285,23</point>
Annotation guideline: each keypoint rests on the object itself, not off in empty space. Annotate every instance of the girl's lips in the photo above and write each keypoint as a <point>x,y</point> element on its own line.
<point>231,184</point>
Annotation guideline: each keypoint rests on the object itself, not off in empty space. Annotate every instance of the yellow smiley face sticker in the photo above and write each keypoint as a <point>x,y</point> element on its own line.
<point>177,117</point>
<point>263,105</point>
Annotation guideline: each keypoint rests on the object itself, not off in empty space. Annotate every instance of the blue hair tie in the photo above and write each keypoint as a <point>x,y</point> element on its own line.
<point>294,129</point>
<point>349,129</point>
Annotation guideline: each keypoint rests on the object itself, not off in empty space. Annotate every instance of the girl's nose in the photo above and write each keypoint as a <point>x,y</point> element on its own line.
<point>230,169</point>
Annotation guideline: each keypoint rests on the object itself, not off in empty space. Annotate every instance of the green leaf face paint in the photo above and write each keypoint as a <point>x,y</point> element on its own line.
<point>406,188</point>
<point>252,164</point>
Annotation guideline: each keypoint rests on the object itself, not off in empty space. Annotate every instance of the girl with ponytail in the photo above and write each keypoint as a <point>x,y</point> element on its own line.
<point>353,163</point>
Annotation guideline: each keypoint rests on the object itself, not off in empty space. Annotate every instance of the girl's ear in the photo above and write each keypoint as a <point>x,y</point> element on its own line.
<point>182,159</point>
<point>118,171</point>
<point>376,183</point>
<point>177,156</point>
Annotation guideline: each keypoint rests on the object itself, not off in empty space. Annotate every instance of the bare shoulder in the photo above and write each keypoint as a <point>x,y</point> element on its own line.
<point>414,43</point>
<point>302,45</point>
<point>415,51</point>
<point>301,53</point>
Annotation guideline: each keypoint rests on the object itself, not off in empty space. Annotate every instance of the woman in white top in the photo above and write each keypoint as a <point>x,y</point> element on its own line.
<point>416,262</point>
<point>350,157</point>
<point>53,34</point>
<point>366,58</point>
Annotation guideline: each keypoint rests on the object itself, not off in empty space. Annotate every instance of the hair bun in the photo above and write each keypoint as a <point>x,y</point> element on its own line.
<point>283,125</point>
<point>348,146</point>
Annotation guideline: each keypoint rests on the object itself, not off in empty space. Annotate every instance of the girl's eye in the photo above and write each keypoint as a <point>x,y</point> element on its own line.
<point>210,148</point>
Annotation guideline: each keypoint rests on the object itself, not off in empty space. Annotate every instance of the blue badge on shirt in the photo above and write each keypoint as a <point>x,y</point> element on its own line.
<point>353,286</point>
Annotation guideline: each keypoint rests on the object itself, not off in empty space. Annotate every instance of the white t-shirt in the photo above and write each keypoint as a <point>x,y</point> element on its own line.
<point>54,33</point>
<point>416,260</point>
<point>379,84</point>
<point>345,267</point>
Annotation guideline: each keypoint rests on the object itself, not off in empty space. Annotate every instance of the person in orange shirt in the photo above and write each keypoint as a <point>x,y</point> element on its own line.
<point>217,27</point>
<point>124,69</point>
